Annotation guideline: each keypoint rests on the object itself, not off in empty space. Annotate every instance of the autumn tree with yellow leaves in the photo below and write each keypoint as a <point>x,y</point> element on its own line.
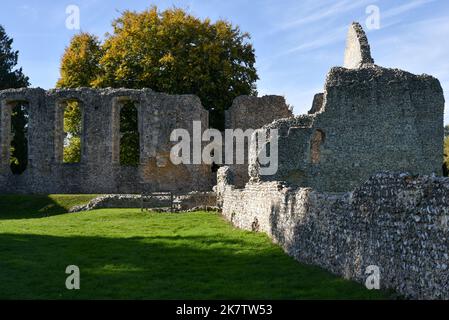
<point>169,51</point>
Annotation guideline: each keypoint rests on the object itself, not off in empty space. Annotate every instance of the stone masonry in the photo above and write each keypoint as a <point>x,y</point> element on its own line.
<point>181,202</point>
<point>99,170</point>
<point>335,201</point>
<point>397,222</point>
<point>371,119</point>
<point>249,112</point>
<point>358,51</point>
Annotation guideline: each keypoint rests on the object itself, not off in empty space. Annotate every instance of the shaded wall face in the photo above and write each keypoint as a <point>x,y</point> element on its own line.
<point>396,222</point>
<point>249,112</point>
<point>373,119</point>
<point>99,170</point>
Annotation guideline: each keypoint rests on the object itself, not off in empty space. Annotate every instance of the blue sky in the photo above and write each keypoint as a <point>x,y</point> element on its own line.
<point>296,42</point>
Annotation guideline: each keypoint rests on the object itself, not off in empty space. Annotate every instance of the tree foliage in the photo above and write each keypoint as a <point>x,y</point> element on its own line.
<point>170,51</point>
<point>72,130</point>
<point>19,141</point>
<point>79,66</point>
<point>72,150</point>
<point>80,62</point>
<point>446,156</point>
<point>12,77</point>
<point>129,135</point>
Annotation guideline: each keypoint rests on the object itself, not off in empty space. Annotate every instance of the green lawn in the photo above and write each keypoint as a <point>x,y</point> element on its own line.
<point>126,254</point>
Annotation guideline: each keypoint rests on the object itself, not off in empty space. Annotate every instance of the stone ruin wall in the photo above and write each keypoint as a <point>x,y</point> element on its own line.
<point>372,119</point>
<point>397,222</point>
<point>99,170</point>
<point>369,119</point>
<point>249,112</point>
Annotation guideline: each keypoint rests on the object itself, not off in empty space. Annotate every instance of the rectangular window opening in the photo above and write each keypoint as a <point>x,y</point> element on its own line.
<point>129,134</point>
<point>72,131</point>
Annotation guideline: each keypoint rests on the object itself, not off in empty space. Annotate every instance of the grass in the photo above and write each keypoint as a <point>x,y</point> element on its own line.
<point>38,206</point>
<point>126,254</point>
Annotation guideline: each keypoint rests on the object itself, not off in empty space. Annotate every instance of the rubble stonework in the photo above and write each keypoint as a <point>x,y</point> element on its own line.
<point>371,119</point>
<point>397,222</point>
<point>249,112</point>
<point>182,202</point>
<point>317,104</point>
<point>99,170</point>
<point>358,51</point>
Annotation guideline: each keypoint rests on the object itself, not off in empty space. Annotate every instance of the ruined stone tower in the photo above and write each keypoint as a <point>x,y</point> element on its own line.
<point>368,119</point>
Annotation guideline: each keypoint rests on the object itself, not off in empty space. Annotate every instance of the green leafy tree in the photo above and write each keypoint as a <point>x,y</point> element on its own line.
<point>446,151</point>
<point>174,52</point>
<point>12,77</point>
<point>80,62</point>
<point>19,141</point>
<point>72,150</point>
<point>72,130</point>
<point>79,67</point>
<point>129,135</point>
<point>446,157</point>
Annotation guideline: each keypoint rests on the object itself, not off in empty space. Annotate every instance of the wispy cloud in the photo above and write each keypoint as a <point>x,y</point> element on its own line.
<point>30,12</point>
<point>398,10</point>
<point>321,26</point>
<point>326,11</point>
<point>335,35</point>
<point>418,47</point>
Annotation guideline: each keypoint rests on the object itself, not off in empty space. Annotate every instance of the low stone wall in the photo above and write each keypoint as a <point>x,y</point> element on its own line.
<point>184,202</point>
<point>397,222</point>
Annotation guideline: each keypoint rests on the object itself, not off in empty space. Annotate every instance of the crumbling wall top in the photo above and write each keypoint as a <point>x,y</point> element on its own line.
<point>249,112</point>
<point>358,52</point>
<point>317,104</point>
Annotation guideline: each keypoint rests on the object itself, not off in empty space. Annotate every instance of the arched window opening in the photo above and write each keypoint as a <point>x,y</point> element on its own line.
<point>19,137</point>
<point>315,146</point>
<point>129,135</point>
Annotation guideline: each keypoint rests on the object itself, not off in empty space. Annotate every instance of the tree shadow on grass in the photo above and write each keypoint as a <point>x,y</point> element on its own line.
<point>37,206</point>
<point>217,267</point>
